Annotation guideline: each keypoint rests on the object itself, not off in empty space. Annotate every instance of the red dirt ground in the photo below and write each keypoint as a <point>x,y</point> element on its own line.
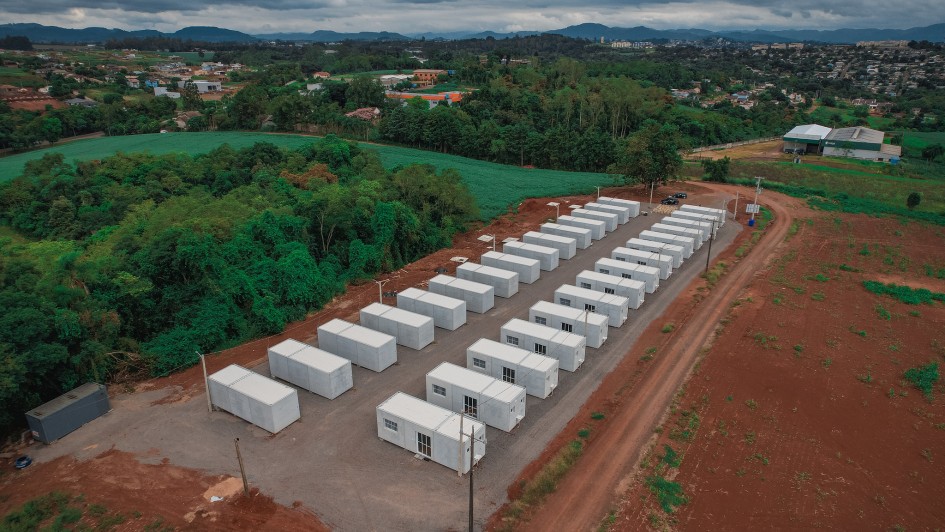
<point>806,419</point>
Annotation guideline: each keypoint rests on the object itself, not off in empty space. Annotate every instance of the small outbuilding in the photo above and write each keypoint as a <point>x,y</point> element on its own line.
<point>647,274</point>
<point>591,325</point>
<point>364,347</point>
<point>409,328</point>
<point>447,312</point>
<point>504,282</point>
<point>719,214</point>
<point>633,290</point>
<point>264,402</point>
<point>610,305</point>
<point>598,228</point>
<point>695,235</point>
<point>537,373</point>
<point>623,213</point>
<point>609,219</point>
<point>528,270</point>
<point>547,257</point>
<point>567,348</point>
<point>633,206</point>
<point>645,258</point>
<point>581,236</point>
<point>54,419</point>
<point>688,244</point>
<point>494,402</point>
<point>675,252</point>
<point>310,368</point>
<point>479,297</point>
<point>566,246</point>
<point>705,227</point>
<point>431,431</point>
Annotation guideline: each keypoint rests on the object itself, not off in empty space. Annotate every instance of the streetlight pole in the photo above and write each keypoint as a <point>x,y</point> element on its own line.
<point>598,192</point>
<point>757,191</point>
<point>380,293</point>
<point>651,194</point>
<point>709,254</point>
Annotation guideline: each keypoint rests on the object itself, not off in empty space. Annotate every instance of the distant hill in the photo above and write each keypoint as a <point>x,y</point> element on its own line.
<point>334,36</point>
<point>55,34</point>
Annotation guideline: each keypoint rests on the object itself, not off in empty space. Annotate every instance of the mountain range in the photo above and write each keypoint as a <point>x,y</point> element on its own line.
<point>54,34</point>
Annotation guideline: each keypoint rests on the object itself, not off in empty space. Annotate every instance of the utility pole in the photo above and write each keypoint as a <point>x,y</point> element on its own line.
<point>709,254</point>
<point>735,214</point>
<point>459,461</point>
<point>651,194</point>
<point>757,191</point>
<point>239,458</point>
<point>206,381</point>
<point>380,293</point>
<point>598,192</point>
<point>472,452</point>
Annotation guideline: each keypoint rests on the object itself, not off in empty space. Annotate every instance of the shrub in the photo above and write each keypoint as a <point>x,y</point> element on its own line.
<point>669,494</point>
<point>668,328</point>
<point>909,296</point>
<point>923,377</point>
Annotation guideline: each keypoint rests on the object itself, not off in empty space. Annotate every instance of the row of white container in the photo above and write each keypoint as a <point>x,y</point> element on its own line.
<point>718,214</point>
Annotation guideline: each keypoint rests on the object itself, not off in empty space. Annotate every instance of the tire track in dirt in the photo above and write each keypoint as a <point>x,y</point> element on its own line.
<point>590,489</point>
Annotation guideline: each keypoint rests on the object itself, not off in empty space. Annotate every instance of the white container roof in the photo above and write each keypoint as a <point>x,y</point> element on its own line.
<point>553,238</point>
<point>508,257</point>
<point>532,247</point>
<point>263,389</point>
<point>608,278</point>
<point>643,254</point>
<point>618,200</point>
<point>570,313</point>
<point>287,347</point>
<point>470,286</point>
<point>513,355</point>
<point>566,228</point>
<point>430,297</point>
<point>427,415</point>
<point>229,374</point>
<point>397,314</point>
<point>488,270</point>
<point>619,264</point>
<point>590,221</point>
<point>475,381</point>
<point>360,334</point>
<point>545,332</point>
<point>654,243</point>
<point>593,295</point>
<point>319,359</point>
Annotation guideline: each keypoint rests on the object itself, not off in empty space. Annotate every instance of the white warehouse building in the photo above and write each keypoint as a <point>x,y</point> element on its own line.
<point>632,206</point>
<point>598,228</point>
<point>694,234</point>
<point>623,213</point>
<point>688,244</point>
<point>609,219</point>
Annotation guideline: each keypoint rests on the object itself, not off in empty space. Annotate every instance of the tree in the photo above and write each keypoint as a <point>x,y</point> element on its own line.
<point>932,152</point>
<point>190,97</point>
<point>650,156</point>
<point>913,200</point>
<point>716,170</point>
<point>51,130</point>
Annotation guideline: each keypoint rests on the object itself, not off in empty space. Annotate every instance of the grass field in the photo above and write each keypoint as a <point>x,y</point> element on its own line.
<point>495,186</point>
<point>914,142</point>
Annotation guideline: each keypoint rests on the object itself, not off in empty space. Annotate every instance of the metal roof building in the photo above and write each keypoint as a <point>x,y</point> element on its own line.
<point>807,138</point>
<point>860,143</point>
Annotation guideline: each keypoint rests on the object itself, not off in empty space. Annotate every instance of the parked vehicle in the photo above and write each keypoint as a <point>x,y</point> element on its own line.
<point>670,201</point>
<point>23,462</point>
<point>680,195</point>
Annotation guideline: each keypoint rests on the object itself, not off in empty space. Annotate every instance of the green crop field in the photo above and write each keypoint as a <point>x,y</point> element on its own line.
<point>495,186</point>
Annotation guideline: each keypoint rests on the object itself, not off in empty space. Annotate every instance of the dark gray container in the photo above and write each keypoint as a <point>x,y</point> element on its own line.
<point>69,411</point>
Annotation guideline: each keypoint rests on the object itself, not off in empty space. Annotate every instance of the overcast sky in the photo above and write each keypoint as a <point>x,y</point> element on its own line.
<point>414,16</point>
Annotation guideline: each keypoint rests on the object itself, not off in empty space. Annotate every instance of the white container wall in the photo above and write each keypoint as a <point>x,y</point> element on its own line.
<point>547,257</point>
<point>268,404</point>
<point>537,373</point>
<point>695,235</point>
<point>705,227</point>
<point>719,214</point>
<point>687,244</point>
<point>581,236</point>
<point>494,402</point>
<point>567,348</point>
<point>504,282</point>
<point>431,431</point>
<point>676,252</point>
<point>609,219</point>
<point>633,290</point>
<point>645,258</point>
<point>623,213</point>
<point>592,326</point>
<point>647,274</point>
<point>310,368</point>
<point>697,217</point>
<point>597,227</point>
<point>566,246</point>
<point>447,312</point>
<point>633,206</point>
<point>410,329</point>
<point>479,297</point>
<point>528,270</point>
<point>364,347</point>
<point>610,305</point>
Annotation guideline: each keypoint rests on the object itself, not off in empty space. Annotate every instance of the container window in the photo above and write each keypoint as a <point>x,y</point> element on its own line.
<point>479,363</point>
<point>641,262</point>
<point>604,270</point>
<point>621,259</point>
<point>439,390</point>
<point>626,276</point>
<point>540,320</point>
<point>567,327</point>
<point>590,308</point>
<point>508,375</point>
<point>541,349</point>
<point>563,301</point>
<point>471,406</point>
<point>609,291</point>
<point>424,445</point>
<point>586,285</point>
<point>511,340</point>
<point>390,425</point>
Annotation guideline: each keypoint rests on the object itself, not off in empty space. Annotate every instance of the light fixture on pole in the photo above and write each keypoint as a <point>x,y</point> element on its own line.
<point>651,193</point>
<point>598,192</point>
<point>555,204</point>
<point>380,293</point>
<point>487,239</point>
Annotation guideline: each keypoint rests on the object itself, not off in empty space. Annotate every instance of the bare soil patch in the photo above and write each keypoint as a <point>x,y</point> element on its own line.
<point>762,151</point>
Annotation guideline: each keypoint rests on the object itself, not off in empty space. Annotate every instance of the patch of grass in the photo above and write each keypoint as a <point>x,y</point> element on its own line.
<point>923,377</point>
<point>865,378</point>
<point>821,278</point>
<point>765,340</point>
<point>546,481</point>
<point>883,313</point>
<point>865,251</point>
<point>597,415</point>
<point>584,433</point>
<point>915,313</point>
<point>715,273</point>
<point>729,398</point>
<point>904,294</point>
<point>826,363</point>
<point>927,454</point>
<point>670,457</point>
<point>650,350</point>
<point>646,358</point>
<point>759,457</point>
<point>669,494</point>
<point>751,404</point>
<point>686,426</point>
<point>777,300</point>
<point>750,438</point>
<point>848,268</point>
<point>818,296</point>
<point>668,328</point>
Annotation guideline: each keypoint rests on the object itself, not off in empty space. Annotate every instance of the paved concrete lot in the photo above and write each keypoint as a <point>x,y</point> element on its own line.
<point>332,460</point>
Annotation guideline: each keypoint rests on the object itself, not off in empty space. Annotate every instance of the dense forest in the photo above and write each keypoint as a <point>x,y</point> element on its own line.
<point>130,264</point>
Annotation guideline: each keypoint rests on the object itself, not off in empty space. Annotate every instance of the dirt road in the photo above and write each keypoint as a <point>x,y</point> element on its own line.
<point>590,489</point>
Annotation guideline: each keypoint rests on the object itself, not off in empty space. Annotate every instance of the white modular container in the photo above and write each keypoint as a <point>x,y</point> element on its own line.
<point>623,213</point>
<point>631,289</point>
<point>719,214</point>
<point>409,328</point>
<point>633,206</point>
<point>479,297</point>
<point>496,403</point>
<point>364,347</point>
<point>591,325</point>
<point>645,258</point>
<point>676,252</point>
<point>608,218</point>
<point>310,368</point>
<point>687,244</point>
<point>567,348</point>
<point>547,257</point>
<point>598,228</point>
<point>565,245</point>
<point>581,236</point>
<point>504,282</point>
<point>610,305</point>
<point>705,227</point>
<point>266,403</point>
<point>528,270</point>
<point>431,431</point>
<point>537,373</point>
<point>697,217</point>
<point>627,270</point>
<point>447,312</point>
<point>695,235</point>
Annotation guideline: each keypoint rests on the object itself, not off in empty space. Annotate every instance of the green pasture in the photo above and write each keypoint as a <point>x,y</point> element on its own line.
<point>495,186</point>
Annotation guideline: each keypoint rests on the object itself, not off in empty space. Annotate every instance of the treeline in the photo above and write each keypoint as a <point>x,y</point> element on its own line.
<point>15,42</point>
<point>132,263</point>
